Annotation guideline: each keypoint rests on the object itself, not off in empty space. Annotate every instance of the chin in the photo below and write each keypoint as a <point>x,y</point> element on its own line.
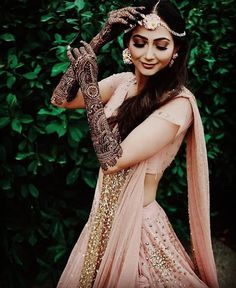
<point>150,72</point>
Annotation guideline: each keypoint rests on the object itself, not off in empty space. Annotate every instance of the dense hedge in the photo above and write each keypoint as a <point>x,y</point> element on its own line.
<point>48,168</point>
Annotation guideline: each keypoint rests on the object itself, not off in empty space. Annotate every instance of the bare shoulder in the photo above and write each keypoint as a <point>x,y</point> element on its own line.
<point>108,85</point>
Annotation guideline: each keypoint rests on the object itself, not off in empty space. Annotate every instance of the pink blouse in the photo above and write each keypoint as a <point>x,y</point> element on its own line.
<point>172,112</point>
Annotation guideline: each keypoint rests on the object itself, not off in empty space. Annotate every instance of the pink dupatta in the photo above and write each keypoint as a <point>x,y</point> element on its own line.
<point>198,199</point>
<point>124,243</point>
<point>119,265</point>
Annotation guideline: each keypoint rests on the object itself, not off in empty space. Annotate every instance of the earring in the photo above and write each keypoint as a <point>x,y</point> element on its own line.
<point>127,56</point>
<point>173,59</point>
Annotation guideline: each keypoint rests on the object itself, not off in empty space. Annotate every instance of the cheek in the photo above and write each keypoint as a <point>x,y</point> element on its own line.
<point>165,56</point>
<point>135,52</point>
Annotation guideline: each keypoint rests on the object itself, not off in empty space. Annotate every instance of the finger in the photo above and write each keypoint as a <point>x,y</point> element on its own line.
<point>140,8</point>
<point>70,55</point>
<point>82,50</point>
<point>135,10</point>
<point>131,16</point>
<point>88,48</point>
<point>76,52</point>
<point>121,21</point>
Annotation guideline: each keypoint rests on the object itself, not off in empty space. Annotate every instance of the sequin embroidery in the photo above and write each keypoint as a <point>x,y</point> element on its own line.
<point>112,187</point>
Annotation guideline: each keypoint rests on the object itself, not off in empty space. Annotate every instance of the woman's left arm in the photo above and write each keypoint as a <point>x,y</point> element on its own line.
<point>159,129</point>
<point>154,133</point>
<point>105,142</point>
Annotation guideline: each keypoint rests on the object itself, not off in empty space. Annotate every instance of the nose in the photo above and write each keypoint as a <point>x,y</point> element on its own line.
<point>149,55</point>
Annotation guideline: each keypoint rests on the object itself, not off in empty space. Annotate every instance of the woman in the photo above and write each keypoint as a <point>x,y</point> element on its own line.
<point>137,122</point>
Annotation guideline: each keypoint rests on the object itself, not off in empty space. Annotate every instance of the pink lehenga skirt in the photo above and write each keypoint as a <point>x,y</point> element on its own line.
<point>126,245</point>
<point>163,261</point>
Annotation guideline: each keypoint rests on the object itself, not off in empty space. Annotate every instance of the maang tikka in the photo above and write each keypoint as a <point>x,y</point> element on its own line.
<point>152,21</point>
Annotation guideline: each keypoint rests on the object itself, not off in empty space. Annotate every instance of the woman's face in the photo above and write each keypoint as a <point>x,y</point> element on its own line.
<point>151,50</point>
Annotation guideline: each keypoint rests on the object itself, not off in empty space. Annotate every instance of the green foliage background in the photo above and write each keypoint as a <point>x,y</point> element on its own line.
<point>48,167</point>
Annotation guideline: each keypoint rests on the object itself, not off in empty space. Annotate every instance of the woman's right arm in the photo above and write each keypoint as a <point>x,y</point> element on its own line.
<point>68,94</point>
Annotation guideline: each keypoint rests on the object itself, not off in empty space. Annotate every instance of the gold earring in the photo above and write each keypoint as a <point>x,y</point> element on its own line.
<point>172,61</point>
<point>127,56</point>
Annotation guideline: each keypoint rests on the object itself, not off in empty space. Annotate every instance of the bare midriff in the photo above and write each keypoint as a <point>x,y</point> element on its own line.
<point>150,187</point>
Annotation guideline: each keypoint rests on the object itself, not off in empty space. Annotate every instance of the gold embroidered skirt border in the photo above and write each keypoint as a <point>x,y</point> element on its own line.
<point>112,187</point>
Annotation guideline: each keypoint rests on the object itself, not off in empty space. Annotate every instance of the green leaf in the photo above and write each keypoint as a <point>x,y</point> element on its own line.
<point>7,37</point>
<point>33,190</point>
<point>72,176</point>
<point>60,253</point>
<point>22,155</point>
<point>10,81</point>
<point>24,191</point>
<point>89,178</point>
<point>75,133</point>
<point>54,111</point>
<point>25,118</point>
<point>4,121</point>
<point>13,61</point>
<point>33,167</point>
<point>16,125</point>
<point>79,4</point>
<point>11,100</point>
<point>30,75</point>
<point>57,232</point>
<point>56,126</point>
<point>207,137</point>
<point>47,17</point>
<point>69,5</point>
<point>72,21</point>
<point>5,184</point>
<point>58,68</point>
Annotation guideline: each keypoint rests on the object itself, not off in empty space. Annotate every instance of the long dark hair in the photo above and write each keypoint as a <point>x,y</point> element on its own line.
<point>167,81</point>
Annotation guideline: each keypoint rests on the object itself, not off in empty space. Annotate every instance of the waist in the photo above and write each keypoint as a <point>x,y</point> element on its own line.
<point>150,187</point>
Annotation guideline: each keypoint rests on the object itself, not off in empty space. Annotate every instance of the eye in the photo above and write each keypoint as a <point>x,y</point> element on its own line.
<point>139,45</point>
<point>161,48</point>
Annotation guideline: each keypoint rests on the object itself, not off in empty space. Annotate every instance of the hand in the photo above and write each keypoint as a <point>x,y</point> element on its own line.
<point>83,61</point>
<point>118,21</point>
<point>106,143</point>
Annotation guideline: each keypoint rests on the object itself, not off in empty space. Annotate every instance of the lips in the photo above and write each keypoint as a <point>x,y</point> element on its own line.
<point>148,66</point>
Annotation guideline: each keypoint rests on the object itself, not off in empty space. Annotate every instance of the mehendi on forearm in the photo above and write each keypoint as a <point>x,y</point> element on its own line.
<point>118,21</point>
<point>67,88</point>
<point>105,142</point>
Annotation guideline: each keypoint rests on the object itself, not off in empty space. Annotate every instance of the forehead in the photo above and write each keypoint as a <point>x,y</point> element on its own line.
<point>160,32</point>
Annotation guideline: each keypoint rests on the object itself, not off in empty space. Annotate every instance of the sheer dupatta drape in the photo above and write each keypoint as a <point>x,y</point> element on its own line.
<point>124,241</point>
<point>198,199</point>
<point>119,265</point>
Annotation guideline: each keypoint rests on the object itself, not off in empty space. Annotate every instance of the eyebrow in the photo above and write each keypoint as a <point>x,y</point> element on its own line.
<point>142,37</point>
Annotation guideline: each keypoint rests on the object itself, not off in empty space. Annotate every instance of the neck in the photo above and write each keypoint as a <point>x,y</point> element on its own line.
<point>141,80</point>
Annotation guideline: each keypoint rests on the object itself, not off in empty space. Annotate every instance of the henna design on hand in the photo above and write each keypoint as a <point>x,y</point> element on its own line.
<point>66,89</point>
<point>68,86</point>
<point>105,142</point>
<point>118,21</point>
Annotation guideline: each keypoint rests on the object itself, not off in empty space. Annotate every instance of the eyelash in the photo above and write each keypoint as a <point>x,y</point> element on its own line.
<point>142,45</point>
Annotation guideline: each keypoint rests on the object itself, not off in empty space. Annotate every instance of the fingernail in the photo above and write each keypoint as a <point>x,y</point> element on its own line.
<point>68,47</point>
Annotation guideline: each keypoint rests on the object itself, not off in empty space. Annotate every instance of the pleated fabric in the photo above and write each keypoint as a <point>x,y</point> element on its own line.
<point>136,246</point>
